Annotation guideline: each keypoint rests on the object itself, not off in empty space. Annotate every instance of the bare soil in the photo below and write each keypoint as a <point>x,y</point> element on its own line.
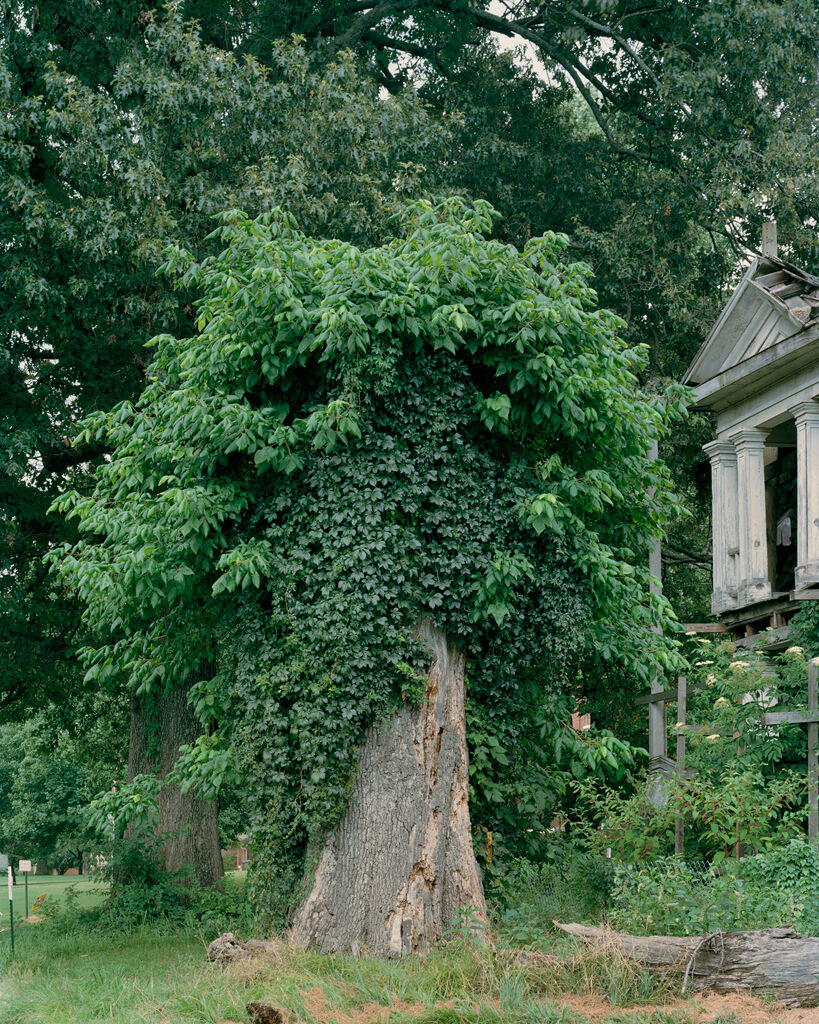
<point>704,1007</point>
<point>370,1013</point>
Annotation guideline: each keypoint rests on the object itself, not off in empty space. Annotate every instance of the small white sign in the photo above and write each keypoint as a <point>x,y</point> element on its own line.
<point>24,865</point>
<point>11,885</point>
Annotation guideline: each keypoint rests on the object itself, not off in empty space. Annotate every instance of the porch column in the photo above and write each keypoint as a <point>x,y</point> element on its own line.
<point>754,584</point>
<point>725,527</point>
<point>806,415</point>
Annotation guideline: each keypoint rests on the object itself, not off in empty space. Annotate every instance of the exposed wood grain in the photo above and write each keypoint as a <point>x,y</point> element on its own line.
<point>665,695</point>
<point>790,717</point>
<point>774,962</point>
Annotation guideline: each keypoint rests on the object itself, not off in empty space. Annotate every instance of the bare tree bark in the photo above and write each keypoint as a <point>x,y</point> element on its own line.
<point>190,822</point>
<point>400,866</point>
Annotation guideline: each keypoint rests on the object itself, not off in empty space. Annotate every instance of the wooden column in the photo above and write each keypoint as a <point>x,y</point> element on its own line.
<point>806,416</point>
<point>724,524</point>
<point>754,584</point>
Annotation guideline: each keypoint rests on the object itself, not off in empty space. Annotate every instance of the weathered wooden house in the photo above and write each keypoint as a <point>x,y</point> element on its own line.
<point>758,370</point>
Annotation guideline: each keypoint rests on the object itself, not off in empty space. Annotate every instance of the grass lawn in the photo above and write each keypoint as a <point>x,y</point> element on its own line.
<point>162,979</point>
<point>68,973</point>
<point>89,892</point>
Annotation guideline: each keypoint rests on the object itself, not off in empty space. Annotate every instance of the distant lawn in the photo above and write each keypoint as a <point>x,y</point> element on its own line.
<point>90,892</point>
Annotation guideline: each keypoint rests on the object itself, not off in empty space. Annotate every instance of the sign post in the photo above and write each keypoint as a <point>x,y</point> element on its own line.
<point>11,907</point>
<point>25,867</point>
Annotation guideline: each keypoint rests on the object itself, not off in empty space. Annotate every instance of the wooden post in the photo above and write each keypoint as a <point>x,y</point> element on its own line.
<point>813,758</point>
<point>679,825</point>
<point>810,718</point>
<point>657,737</point>
<point>769,238</point>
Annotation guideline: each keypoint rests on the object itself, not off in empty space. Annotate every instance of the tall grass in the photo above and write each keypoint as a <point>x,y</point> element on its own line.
<point>67,973</point>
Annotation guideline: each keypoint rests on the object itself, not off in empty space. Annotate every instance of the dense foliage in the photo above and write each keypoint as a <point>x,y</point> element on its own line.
<point>672,897</point>
<point>354,439</point>
<point>647,135</point>
<point>747,791</point>
<point>50,768</point>
<point>114,143</point>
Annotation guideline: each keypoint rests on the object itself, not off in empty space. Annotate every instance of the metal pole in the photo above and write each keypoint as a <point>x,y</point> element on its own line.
<point>679,825</point>
<point>26,894</point>
<point>813,758</point>
<point>11,907</point>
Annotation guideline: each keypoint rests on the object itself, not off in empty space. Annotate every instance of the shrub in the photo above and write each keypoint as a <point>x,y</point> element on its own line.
<point>571,886</point>
<point>672,897</point>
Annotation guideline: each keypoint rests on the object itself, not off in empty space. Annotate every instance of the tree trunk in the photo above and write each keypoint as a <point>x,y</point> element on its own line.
<point>400,866</point>
<point>772,962</point>
<point>190,822</point>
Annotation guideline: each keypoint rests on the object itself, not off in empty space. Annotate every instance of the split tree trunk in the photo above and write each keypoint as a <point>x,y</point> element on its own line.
<point>190,822</point>
<point>400,866</point>
<point>772,962</point>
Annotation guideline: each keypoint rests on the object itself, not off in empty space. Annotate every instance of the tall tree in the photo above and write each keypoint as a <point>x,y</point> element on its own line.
<point>393,462</point>
<point>112,148</point>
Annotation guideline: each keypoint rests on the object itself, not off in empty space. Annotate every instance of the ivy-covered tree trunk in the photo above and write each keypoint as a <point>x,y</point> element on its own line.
<point>190,822</point>
<point>400,867</point>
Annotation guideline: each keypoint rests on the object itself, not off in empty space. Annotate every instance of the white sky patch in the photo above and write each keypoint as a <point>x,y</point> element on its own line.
<point>529,53</point>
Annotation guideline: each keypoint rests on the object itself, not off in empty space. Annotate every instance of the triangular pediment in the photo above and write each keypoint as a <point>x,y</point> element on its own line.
<point>773,301</point>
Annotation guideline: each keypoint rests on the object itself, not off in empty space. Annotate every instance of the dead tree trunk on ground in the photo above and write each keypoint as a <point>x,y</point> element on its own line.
<point>190,822</point>
<point>775,962</point>
<point>400,866</point>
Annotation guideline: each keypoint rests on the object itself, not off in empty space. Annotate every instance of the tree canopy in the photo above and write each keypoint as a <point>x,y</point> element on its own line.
<point>109,153</point>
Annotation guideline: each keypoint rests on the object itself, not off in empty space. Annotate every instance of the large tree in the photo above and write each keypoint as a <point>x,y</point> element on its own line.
<point>369,474</point>
<point>112,147</point>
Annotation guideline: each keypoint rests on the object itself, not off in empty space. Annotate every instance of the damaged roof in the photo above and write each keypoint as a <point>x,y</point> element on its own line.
<point>773,303</point>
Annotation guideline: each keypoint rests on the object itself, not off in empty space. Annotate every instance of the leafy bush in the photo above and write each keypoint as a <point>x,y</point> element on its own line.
<point>747,790</point>
<point>571,886</point>
<point>220,909</point>
<point>672,897</point>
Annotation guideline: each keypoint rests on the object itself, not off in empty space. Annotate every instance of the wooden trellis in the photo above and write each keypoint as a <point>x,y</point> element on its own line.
<point>810,718</point>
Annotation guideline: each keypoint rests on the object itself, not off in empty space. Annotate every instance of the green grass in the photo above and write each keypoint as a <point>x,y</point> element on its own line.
<point>89,893</point>
<point>65,971</point>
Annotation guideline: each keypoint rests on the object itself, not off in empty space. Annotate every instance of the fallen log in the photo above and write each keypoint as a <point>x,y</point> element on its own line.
<point>777,963</point>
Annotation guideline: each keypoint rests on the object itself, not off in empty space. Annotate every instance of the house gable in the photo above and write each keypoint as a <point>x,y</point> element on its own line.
<point>773,302</point>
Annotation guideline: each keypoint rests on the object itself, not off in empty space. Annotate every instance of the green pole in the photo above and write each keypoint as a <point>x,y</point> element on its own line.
<point>11,907</point>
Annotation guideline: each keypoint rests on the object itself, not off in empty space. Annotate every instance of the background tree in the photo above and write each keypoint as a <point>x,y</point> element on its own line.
<point>110,152</point>
<point>50,768</point>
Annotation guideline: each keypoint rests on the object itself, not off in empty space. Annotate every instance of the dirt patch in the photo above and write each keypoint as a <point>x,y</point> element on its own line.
<point>700,1009</point>
<point>315,1001</point>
